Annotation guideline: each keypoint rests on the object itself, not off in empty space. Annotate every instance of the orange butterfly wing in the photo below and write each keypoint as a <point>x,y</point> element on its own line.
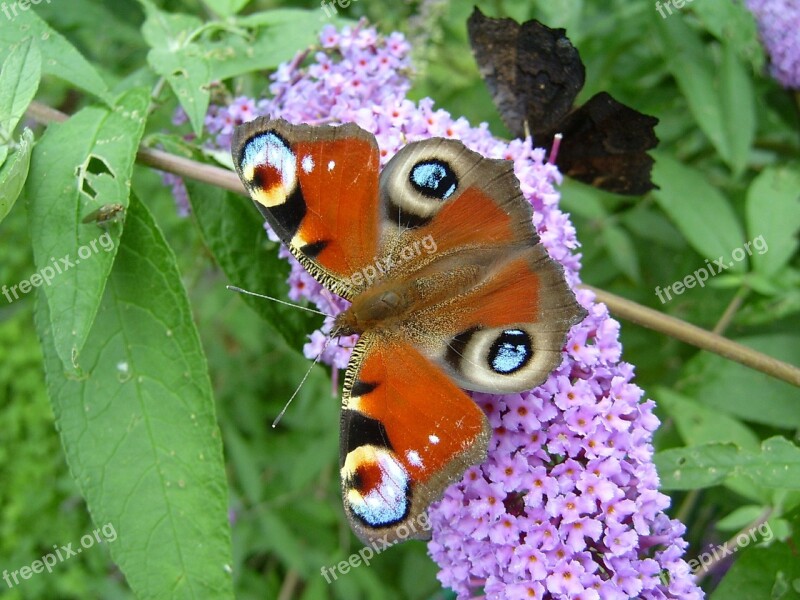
<point>318,189</point>
<point>407,431</point>
<point>502,320</point>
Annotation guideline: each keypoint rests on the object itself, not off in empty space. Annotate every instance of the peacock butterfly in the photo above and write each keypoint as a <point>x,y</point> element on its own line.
<point>488,310</point>
<point>534,74</point>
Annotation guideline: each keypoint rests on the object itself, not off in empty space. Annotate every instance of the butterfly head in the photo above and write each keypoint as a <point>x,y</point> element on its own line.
<point>370,309</point>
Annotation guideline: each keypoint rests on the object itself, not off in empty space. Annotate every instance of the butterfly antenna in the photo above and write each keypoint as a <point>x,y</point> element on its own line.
<point>554,148</point>
<point>302,381</point>
<point>526,128</point>
<point>233,288</point>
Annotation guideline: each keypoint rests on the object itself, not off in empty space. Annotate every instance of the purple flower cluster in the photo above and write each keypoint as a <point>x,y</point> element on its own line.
<point>220,121</point>
<point>567,504</point>
<point>779,27</point>
<point>353,70</point>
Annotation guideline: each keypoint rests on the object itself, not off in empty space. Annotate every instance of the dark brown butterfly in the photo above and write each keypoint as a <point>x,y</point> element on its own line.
<point>534,74</point>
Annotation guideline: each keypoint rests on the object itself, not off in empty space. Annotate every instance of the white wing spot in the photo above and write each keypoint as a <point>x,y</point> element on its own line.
<point>331,165</point>
<point>414,458</point>
<point>433,439</point>
<point>308,163</point>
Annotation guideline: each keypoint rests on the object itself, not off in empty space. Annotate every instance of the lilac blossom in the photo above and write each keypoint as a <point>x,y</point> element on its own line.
<point>567,503</point>
<point>179,193</point>
<point>779,28</point>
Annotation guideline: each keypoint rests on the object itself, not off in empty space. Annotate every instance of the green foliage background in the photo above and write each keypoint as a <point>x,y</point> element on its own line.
<point>139,368</point>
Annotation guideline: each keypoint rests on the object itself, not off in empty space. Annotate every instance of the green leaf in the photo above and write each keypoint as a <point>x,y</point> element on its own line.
<point>77,167</point>
<point>168,31</point>
<point>59,57</point>
<point>760,571</point>
<point>14,173</point>
<point>696,467</point>
<point>701,213</point>
<point>248,474</point>
<point>279,540</point>
<point>650,224</point>
<point>738,108</point>
<point>19,81</point>
<point>699,425</point>
<point>226,8</point>
<point>582,200</point>
<point>188,73</point>
<point>740,517</point>
<point>176,57</point>
<point>776,465</point>
<point>695,73</point>
<point>773,217</point>
<point>732,389</point>
<point>620,248</point>
<point>720,96</point>
<point>732,23</point>
<point>233,230</point>
<point>280,35</point>
<point>139,427</point>
<point>282,17</point>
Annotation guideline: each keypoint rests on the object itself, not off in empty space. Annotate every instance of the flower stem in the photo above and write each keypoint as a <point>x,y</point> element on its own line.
<point>622,307</point>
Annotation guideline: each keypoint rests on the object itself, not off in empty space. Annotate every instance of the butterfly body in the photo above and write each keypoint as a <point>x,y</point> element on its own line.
<point>449,286</point>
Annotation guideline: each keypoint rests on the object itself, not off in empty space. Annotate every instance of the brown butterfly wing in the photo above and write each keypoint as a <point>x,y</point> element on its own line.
<point>605,145</point>
<point>489,289</point>
<point>533,72</point>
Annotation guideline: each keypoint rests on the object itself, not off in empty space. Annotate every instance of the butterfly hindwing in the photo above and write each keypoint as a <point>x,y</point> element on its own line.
<point>605,145</point>
<point>318,189</point>
<point>502,324</point>
<point>511,328</point>
<point>407,432</point>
